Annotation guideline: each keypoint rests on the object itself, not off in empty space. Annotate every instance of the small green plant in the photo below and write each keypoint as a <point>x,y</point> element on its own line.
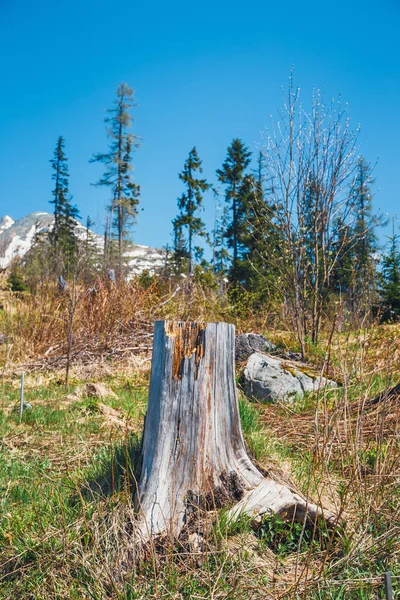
<point>369,457</point>
<point>146,279</point>
<point>228,525</point>
<point>16,283</point>
<point>284,537</point>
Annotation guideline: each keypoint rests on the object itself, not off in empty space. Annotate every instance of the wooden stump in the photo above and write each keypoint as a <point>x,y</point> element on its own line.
<point>193,454</point>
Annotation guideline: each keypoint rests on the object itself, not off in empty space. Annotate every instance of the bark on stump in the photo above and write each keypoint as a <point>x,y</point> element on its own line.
<point>193,454</point>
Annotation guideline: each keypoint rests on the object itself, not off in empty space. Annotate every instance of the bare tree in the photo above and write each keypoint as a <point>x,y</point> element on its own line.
<point>310,163</point>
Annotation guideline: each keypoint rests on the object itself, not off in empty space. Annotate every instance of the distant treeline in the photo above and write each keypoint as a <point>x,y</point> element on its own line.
<point>298,229</point>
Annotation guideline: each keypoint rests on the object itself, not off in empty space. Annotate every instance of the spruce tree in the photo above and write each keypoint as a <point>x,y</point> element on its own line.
<point>91,252</point>
<point>262,240</point>
<point>247,247</point>
<point>311,227</point>
<point>125,194</point>
<point>190,204</point>
<point>62,238</point>
<point>232,176</point>
<point>355,244</point>
<point>363,231</point>
<point>390,277</point>
<point>180,258</point>
<point>220,253</point>
<point>341,281</point>
<point>38,262</point>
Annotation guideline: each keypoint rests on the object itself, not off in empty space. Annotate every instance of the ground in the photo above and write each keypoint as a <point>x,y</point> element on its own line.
<point>67,474</point>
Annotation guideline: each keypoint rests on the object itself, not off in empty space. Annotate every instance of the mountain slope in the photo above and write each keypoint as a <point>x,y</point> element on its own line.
<point>16,238</point>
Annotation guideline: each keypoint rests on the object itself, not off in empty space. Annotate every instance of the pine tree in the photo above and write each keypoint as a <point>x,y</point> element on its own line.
<point>62,238</point>
<point>342,277</point>
<point>311,230</point>
<point>180,258</point>
<point>91,251</point>
<point>355,245</point>
<point>247,248</point>
<point>232,175</point>
<point>125,194</point>
<point>189,204</point>
<point>38,262</point>
<point>220,255</point>
<point>363,230</point>
<point>262,238</point>
<point>390,277</point>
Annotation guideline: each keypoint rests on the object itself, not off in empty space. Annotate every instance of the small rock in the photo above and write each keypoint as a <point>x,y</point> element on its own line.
<point>27,406</point>
<point>248,343</point>
<point>99,390</point>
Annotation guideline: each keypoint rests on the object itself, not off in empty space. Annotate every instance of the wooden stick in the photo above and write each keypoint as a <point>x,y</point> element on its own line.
<point>388,585</point>
<point>21,397</point>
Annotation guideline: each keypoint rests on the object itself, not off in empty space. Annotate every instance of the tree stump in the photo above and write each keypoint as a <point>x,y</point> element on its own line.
<point>193,454</point>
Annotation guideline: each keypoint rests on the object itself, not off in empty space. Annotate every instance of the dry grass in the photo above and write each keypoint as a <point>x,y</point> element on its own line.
<point>77,474</point>
<point>67,471</point>
<point>109,322</point>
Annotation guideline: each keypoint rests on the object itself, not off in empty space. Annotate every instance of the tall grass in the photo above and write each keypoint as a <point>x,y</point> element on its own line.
<point>67,471</point>
<point>109,320</point>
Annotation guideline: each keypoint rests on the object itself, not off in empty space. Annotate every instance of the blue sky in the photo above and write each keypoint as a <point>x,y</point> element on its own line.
<point>203,74</point>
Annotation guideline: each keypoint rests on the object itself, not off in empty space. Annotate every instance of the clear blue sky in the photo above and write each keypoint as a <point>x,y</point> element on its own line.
<point>203,74</point>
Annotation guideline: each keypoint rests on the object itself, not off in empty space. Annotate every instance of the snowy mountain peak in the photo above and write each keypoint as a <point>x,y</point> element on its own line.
<point>16,239</point>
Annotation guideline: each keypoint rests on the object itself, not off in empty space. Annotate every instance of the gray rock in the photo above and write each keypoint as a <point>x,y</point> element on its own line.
<point>269,379</point>
<point>248,343</point>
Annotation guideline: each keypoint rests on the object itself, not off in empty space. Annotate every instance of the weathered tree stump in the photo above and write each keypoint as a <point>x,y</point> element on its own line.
<point>193,454</point>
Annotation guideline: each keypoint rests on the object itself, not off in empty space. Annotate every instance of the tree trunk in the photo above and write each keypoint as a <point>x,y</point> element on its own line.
<point>193,453</point>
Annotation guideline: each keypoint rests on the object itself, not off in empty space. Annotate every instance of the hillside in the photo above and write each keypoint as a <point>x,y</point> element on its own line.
<point>16,239</point>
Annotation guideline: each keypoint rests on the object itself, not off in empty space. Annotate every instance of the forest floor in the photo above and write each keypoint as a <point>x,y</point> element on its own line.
<point>67,475</point>
<point>67,469</point>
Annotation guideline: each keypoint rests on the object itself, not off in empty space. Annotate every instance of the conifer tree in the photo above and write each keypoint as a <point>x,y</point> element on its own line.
<point>62,238</point>
<point>262,239</point>
<point>355,244</point>
<point>311,226</point>
<point>180,257</point>
<point>232,175</point>
<point>343,249</point>
<point>220,255</point>
<point>125,194</point>
<point>364,246</point>
<point>91,251</point>
<point>38,262</point>
<point>247,242</point>
<point>390,277</point>
<point>190,204</point>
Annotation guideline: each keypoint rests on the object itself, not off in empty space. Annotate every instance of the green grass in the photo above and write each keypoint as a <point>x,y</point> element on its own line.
<point>56,454</point>
<point>257,442</point>
<point>66,479</point>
